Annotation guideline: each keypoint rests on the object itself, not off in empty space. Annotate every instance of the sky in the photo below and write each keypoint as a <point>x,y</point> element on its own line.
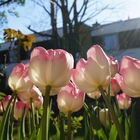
<point>31,14</point>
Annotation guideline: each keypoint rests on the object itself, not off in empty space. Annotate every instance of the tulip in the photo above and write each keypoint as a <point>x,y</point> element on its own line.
<point>124,101</point>
<point>19,80</point>
<point>38,102</point>
<point>19,109</point>
<point>129,77</point>
<point>33,95</point>
<point>114,66</point>
<point>1,107</point>
<point>104,116</point>
<point>50,68</point>
<point>70,99</point>
<point>94,95</point>
<point>114,86</point>
<point>94,73</point>
<point>5,101</point>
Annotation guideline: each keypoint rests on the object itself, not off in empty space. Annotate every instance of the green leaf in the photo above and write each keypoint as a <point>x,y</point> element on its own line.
<point>2,94</point>
<point>5,119</point>
<point>134,124</point>
<point>127,129</point>
<point>113,133</point>
<point>101,135</point>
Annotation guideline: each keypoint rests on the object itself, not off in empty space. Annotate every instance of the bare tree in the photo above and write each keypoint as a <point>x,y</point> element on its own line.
<point>73,16</point>
<point>5,9</point>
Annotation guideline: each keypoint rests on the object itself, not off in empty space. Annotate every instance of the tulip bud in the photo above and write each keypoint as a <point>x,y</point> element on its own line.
<point>94,73</point>
<point>19,109</point>
<point>1,107</point>
<point>70,99</point>
<point>104,116</point>
<point>38,102</point>
<point>124,101</point>
<point>114,87</point>
<point>50,67</point>
<point>33,94</point>
<point>5,102</point>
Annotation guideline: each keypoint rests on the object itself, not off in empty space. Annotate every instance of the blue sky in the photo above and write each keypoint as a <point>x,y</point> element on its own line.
<point>32,14</point>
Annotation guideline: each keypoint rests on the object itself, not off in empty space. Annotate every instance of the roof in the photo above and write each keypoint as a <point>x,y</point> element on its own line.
<point>5,46</point>
<point>40,38</point>
<point>116,27</point>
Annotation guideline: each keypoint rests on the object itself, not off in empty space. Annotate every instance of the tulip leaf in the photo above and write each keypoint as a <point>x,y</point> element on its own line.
<point>113,133</point>
<point>5,119</point>
<point>101,135</point>
<point>33,135</point>
<point>2,94</point>
<point>127,129</point>
<point>134,124</point>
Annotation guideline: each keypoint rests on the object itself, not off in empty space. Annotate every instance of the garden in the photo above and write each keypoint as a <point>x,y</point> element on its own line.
<point>52,99</point>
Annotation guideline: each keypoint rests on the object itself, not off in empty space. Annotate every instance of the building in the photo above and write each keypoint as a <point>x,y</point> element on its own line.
<point>9,52</point>
<point>119,38</point>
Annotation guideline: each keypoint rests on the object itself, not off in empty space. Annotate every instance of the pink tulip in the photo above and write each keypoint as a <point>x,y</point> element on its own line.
<point>124,101</point>
<point>129,77</point>
<point>38,102</point>
<point>19,109</point>
<point>94,95</point>
<point>70,99</point>
<point>94,73</point>
<point>1,107</point>
<point>33,94</point>
<point>114,66</point>
<point>114,87</point>
<point>50,68</point>
<point>5,101</point>
<point>19,80</point>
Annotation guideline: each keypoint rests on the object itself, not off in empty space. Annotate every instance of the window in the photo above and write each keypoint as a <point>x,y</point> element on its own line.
<point>111,42</point>
<point>13,56</point>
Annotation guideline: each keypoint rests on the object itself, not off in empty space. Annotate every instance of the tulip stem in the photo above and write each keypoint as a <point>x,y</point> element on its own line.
<point>113,115</point>
<point>46,114</point>
<point>32,116</point>
<point>69,127</point>
<point>5,117</point>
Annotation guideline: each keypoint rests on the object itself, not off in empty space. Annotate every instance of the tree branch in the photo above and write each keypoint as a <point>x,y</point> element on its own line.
<point>95,14</point>
<point>84,10</point>
<point>41,5</point>
<point>39,33</point>
<point>56,2</point>
<point>5,2</point>
<point>72,6</point>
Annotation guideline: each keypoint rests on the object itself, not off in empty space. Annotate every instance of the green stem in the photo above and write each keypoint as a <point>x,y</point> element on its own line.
<point>126,117</point>
<point>37,118</point>
<point>5,118</point>
<point>69,126</point>
<point>97,105</point>
<point>22,125</point>
<point>61,124</point>
<point>29,123</point>
<point>113,115</point>
<point>117,106</point>
<point>46,114</point>
<point>32,116</point>
<point>19,134</point>
<point>12,116</point>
